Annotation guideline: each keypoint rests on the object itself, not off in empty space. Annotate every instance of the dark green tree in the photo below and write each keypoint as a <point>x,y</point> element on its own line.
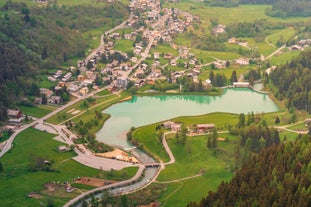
<point>233,77</point>
<point>241,122</point>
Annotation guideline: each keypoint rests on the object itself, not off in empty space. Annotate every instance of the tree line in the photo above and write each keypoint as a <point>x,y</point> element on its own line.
<point>292,82</point>
<point>278,176</point>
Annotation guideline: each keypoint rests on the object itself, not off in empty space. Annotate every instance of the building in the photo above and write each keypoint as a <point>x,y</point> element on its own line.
<point>14,113</point>
<point>122,82</point>
<point>55,100</point>
<point>203,128</point>
<point>15,117</point>
<point>168,124</point>
<point>240,84</point>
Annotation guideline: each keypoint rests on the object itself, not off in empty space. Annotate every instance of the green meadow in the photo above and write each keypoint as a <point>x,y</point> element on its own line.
<point>37,111</point>
<point>17,180</point>
<point>192,159</point>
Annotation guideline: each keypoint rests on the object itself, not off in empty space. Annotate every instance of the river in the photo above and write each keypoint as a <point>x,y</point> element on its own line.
<point>150,109</point>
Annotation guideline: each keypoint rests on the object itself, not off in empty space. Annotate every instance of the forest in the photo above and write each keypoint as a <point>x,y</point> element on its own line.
<point>277,176</point>
<point>292,81</point>
<point>35,39</point>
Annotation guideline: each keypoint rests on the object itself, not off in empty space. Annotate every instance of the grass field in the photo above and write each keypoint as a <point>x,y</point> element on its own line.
<point>65,114</point>
<point>123,45</point>
<point>100,105</point>
<point>217,167</point>
<point>243,13</point>
<point>103,93</point>
<point>17,181</point>
<point>227,72</point>
<point>151,143</point>
<point>210,56</point>
<point>283,35</point>
<point>37,111</point>
<point>44,82</point>
<point>165,49</point>
<point>284,58</point>
<point>261,47</point>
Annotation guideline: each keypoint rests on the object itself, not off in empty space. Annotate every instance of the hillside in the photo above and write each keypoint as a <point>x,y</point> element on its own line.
<point>278,176</point>
<point>35,38</point>
<point>292,81</point>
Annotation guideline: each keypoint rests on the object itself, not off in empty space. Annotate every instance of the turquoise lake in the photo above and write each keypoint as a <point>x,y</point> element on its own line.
<point>150,109</point>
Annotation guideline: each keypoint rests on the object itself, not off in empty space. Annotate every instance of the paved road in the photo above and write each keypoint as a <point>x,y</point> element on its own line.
<point>97,190</point>
<point>168,149</point>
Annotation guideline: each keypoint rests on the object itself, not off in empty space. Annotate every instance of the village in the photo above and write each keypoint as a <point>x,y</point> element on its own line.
<point>150,26</point>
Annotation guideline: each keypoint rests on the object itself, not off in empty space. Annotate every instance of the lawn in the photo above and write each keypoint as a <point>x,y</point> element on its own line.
<point>299,127</point>
<point>165,49</point>
<point>123,45</point>
<point>217,168</point>
<point>103,93</point>
<point>147,137</point>
<point>242,13</point>
<point>283,35</point>
<point>37,111</point>
<point>17,181</point>
<point>262,47</point>
<point>100,105</point>
<point>209,56</point>
<point>290,136</point>
<point>80,106</point>
<point>43,82</point>
<point>283,58</point>
<point>184,39</point>
<point>227,72</point>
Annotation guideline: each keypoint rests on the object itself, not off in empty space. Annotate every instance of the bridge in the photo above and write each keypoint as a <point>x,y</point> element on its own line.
<point>152,164</point>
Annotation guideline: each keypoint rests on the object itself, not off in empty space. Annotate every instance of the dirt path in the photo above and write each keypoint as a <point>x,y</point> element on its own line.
<point>181,179</point>
<point>168,149</point>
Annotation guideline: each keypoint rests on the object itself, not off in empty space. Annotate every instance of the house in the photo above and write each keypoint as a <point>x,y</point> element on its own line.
<point>81,77</point>
<point>122,82</point>
<point>307,122</point>
<point>242,61</point>
<point>83,91</point>
<point>232,40</point>
<point>127,36</point>
<point>219,29</point>
<point>156,55</point>
<point>15,117</point>
<point>240,84</point>
<point>67,77</point>
<point>48,93</point>
<point>63,148</point>
<point>55,100</point>
<point>176,127</point>
<point>38,100</point>
<point>15,114</point>
<point>134,59</point>
<point>168,56</point>
<point>203,128</point>
<point>168,124</point>
<point>208,82</point>
<point>296,47</point>
<point>73,88</point>
<point>220,64</point>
